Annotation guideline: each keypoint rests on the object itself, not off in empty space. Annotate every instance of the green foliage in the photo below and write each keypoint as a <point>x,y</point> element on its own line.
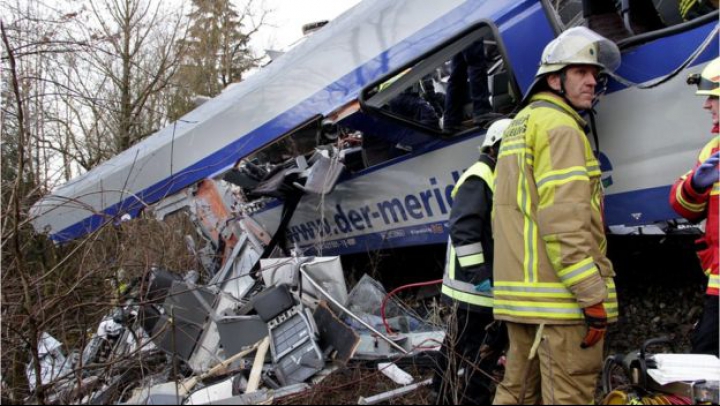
<point>216,54</point>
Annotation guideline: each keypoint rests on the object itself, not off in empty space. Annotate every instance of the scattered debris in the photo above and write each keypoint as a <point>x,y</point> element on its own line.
<point>53,363</point>
<point>383,397</point>
<point>393,372</point>
<point>263,327</point>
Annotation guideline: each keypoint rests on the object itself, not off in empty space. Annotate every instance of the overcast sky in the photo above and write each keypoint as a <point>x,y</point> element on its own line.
<point>288,17</point>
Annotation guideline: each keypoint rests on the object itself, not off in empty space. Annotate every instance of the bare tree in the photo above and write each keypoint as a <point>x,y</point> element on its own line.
<point>31,39</point>
<point>51,105</point>
<point>129,63</point>
<point>80,82</point>
<point>91,77</point>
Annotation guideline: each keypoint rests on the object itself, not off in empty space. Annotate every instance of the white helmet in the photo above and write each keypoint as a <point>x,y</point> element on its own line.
<point>495,133</point>
<point>577,46</point>
<point>708,82</point>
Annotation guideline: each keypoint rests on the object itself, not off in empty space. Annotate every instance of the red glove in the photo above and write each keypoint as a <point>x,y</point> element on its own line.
<point>596,320</point>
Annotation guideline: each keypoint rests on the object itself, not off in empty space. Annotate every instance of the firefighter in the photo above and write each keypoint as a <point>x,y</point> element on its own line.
<point>695,197</point>
<point>471,341</point>
<point>553,283</point>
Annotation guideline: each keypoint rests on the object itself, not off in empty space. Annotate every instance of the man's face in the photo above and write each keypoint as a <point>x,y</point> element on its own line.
<point>580,82</point>
<point>711,104</point>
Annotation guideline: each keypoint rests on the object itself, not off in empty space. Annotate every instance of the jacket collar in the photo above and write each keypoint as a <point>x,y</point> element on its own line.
<point>559,102</point>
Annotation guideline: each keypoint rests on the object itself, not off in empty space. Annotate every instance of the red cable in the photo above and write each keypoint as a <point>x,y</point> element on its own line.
<point>389,295</point>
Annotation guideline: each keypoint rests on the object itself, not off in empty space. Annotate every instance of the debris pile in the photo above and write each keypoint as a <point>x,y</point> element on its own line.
<point>258,322</point>
<point>281,329</point>
<point>249,336</point>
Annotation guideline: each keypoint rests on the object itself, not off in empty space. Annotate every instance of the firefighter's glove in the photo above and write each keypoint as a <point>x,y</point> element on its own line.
<point>484,287</point>
<point>707,173</point>
<point>596,320</point>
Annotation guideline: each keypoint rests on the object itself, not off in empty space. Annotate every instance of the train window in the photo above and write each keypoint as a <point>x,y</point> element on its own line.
<point>301,141</point>
<point>251,172</point>
<point>461,85</point>
<point>621,19</point>
<point>306,158</point>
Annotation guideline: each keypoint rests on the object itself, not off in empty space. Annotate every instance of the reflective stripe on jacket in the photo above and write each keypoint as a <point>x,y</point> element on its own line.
<point>697,206</point>
<point>470,239</point>
<point>550,245</point>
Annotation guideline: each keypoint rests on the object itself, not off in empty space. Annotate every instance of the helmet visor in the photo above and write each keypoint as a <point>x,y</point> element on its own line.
<point>580,45</point>
<point>704,85</point>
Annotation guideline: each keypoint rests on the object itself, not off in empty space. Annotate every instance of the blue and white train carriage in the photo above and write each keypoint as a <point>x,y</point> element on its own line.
<point>335,91</point>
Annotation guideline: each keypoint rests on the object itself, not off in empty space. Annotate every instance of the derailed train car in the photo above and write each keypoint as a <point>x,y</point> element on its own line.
<point>312,149</point>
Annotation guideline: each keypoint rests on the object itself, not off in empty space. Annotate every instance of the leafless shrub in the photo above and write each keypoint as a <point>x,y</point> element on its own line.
<point>67,290</point>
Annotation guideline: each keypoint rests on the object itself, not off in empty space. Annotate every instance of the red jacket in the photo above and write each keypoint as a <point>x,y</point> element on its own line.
<point>696,207</point>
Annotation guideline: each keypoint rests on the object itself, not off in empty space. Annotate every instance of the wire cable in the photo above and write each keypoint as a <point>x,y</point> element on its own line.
<point>394,291</point>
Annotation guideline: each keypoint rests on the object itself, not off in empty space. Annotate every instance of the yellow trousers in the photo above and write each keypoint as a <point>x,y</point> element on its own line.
<point>561,373</point>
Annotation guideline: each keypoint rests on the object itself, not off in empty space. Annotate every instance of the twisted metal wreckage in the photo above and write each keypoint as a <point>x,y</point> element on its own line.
<point>270,324</point>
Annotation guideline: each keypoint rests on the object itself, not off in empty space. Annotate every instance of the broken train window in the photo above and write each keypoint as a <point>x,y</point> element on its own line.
<point>618,20</point>
<point>460,85</point>
<point>306,160</point>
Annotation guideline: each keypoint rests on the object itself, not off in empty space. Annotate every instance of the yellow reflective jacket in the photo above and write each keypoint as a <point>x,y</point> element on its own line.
<point>550,246</point>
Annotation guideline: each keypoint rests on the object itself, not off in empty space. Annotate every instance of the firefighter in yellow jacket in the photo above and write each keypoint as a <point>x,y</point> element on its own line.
<point>473,342</point>
<point>553,284</point>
